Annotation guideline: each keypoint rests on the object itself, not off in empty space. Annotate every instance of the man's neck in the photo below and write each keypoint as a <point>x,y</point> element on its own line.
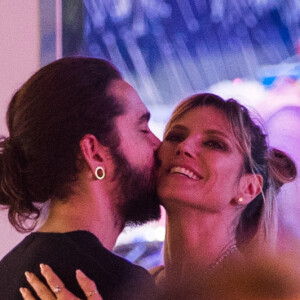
<point>88,213</point>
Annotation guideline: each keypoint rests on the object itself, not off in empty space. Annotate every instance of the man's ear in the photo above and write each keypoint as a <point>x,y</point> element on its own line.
<point>93,152</point>
<point>250,186</point>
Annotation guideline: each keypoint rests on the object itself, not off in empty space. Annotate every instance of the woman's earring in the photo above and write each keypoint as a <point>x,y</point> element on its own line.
<point>99,173</point>
<point>240,200</point>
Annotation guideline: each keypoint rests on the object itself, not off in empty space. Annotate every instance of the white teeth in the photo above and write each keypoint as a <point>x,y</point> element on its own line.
<point>185,172</point>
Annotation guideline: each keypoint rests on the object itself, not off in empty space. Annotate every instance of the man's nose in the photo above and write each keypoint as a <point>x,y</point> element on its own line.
<point>155,141</point>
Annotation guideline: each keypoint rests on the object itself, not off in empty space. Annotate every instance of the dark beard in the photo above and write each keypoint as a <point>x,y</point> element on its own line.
<point>137,201</point>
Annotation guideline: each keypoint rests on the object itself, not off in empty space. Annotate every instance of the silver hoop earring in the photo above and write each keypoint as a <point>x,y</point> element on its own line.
<point>101,171</point>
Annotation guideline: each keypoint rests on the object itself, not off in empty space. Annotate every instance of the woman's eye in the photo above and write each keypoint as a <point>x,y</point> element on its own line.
<point>174,137</point>
<point>215,145</point>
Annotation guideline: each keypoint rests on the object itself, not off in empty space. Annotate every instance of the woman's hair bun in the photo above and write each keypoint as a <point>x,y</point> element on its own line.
<point>282,168</point>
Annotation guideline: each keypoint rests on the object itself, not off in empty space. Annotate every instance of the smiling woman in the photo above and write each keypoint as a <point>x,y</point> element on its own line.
<point>224,147</point>
<point>217,180</point>
<point>205,152</point>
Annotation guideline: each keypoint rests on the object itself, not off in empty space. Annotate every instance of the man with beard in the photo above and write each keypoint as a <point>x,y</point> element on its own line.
<point>78,139</point>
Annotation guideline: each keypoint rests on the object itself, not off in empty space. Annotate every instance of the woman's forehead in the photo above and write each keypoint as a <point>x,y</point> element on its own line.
<point>204,116</point>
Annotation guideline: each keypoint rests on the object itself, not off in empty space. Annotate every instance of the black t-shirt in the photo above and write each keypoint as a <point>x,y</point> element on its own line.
<point>116,278</point>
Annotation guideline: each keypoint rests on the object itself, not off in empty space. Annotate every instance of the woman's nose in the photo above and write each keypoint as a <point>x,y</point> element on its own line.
<point>186,148</point>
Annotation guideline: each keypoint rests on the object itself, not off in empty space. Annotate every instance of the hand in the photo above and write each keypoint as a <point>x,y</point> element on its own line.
<point>57,289</point>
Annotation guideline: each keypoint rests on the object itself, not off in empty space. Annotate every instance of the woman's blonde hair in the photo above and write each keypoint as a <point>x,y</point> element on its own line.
<point>258,221</point>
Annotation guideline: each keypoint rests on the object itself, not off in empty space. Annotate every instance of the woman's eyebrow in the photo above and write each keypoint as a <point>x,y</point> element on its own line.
<point>216,132</point>
<point>178,126</point>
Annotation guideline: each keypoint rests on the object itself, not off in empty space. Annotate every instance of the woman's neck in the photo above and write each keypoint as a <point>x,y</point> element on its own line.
<point>195,240</point>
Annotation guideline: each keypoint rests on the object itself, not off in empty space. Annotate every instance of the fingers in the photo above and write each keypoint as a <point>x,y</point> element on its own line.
<point>56,285</point>
<point>41,289</point>
<point>26,294</point>
<point>88,286</point>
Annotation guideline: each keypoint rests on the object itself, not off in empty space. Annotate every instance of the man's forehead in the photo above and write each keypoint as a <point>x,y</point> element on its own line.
<point>117,86</point>
<point>137,111</point>
<point>128,97</point>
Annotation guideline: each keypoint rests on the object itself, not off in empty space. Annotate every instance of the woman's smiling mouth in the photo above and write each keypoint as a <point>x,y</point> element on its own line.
<point>184,171</point>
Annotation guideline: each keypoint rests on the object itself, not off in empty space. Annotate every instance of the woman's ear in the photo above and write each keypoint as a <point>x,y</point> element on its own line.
<point>250,186</point>
<point>93,152</point>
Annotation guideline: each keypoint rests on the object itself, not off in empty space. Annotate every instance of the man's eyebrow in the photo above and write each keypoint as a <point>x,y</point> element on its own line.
<point>144,117</point>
